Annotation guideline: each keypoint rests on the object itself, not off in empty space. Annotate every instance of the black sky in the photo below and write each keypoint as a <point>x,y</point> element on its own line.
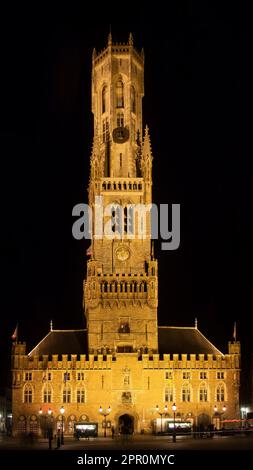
<point>198,98</point>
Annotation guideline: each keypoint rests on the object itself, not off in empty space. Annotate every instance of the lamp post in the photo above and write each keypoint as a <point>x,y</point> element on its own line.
<point>62,411</point>
<point>104,414</point>
<point>220,414</point>
<point>40,413</point>
<point>174,409</point>
<point>50,431</point>
<point>161,414</point>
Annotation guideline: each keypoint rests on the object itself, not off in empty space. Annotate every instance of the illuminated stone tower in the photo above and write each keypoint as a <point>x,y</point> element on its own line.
<point>121,288</point>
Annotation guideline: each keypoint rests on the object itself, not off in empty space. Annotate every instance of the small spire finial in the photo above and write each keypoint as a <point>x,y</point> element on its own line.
<point>234,332</point>
<point>196,323</point>
<point>51,325</point>
<point>152,250</point>
<point>94,53</point>
<point>131,40</point>
<point>110,37</point>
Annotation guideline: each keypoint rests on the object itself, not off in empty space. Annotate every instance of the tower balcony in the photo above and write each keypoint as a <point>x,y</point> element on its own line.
<point>124,289</point>
<point>114,185</point>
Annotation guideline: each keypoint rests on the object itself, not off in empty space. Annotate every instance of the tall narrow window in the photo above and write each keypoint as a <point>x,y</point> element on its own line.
<point>120,120</point>
<point>186,393</point>
<point>104,99</point>
<point>120,160</point>
<point>116,218</point>
<point>220,393</point>
<point>28,376</point>
<point>168,394</point>
<point>119,94</point>
<point>129,219</point>
<point>66,396</point>
<point>28,394</point>
<point>133,100</point>
<point>203,393</point>
<point>125,219</point>
<point>47,394</point>
<point>80,395</point>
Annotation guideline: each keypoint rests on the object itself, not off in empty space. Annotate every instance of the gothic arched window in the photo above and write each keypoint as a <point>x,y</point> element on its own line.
<point>104,99</point>
<point>186,393</point>
<point>220,393</point>
<point>168,394</point>
<point>47,394</point>
<point>203,393</point>
<point>119,94</point>
<point>28,394</point>
<point>66,395</point>
<point>116,220</point>
<point>133,100</point>
<point>128,219</point>
<point>80,395</point>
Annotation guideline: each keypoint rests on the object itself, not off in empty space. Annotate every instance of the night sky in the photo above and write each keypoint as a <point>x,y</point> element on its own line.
<point>198,102</point>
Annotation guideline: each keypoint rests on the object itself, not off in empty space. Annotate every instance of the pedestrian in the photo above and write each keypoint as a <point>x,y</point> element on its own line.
<point>50,438</point>
<point>58,439</point>
<point>113,431</point>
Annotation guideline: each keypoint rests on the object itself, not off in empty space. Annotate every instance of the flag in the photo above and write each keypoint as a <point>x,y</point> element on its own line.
<point>89,251</point>
<point>234,332</point>
<point>15,334</point>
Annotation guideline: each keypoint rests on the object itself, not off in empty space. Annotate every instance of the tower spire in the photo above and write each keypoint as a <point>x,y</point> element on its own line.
<point>196,323</point>
<point>130,40</point>
<point>51,325</point>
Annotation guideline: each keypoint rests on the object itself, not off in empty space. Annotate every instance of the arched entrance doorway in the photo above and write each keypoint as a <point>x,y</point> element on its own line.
<point>203,421</point>
<point>126,424</point>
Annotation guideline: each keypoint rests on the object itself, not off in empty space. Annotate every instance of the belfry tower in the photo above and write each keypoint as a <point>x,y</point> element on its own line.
<point>121,288</point>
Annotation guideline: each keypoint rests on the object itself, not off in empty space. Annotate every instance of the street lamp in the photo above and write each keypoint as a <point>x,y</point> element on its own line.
<point>222,414</point>
<point>174,409</point>
<point>104,414</point>
<point>62,411</point>
<point>161,414</point>
<point>244,415</point>
<point>40,413</point>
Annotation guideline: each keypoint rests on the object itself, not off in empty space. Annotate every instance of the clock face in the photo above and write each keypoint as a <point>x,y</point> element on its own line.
<point>120,135</point>
<point>122,253</point>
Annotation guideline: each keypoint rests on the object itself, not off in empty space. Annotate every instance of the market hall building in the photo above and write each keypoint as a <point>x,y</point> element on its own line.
<point>117,370</point>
